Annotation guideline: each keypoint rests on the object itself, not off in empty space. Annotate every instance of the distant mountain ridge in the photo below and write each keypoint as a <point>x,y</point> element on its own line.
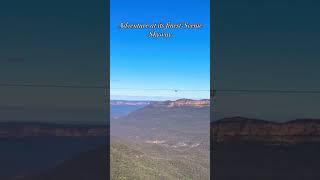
<point>20,129</point>
<point>176,103</point>
<point>246,129</point>
<point>182,103</point>
<point>128,103</point>
<point>170,114</point>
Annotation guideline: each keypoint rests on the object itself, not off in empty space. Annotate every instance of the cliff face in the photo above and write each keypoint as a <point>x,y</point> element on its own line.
<point>183,103</point>
<point>243,129</point>
<point>34,129</point>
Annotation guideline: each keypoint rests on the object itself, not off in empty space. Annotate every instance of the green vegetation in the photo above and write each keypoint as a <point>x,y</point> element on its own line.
<point>161,142</point>
<point>129,162</point>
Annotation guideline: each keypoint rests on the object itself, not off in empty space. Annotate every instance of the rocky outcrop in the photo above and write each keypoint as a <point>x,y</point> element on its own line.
<point>244,129</point>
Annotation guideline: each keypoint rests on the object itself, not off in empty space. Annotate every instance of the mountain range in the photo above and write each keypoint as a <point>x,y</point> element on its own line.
<point>262,131</point>
<point>171,140</point>
<point>29,129</point>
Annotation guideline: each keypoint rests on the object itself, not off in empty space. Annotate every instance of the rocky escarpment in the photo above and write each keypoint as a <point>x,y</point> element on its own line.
<point>182,103</point>
<point>244,129</point>
<point>39,129</point>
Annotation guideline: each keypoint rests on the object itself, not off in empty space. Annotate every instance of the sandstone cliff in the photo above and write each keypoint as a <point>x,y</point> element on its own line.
<point>244,129</point>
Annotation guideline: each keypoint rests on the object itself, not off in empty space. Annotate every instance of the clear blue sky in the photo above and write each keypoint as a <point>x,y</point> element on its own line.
<point>139,62</point>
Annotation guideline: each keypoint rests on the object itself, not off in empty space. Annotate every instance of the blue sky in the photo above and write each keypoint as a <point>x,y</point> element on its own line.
<point>139,63</point>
